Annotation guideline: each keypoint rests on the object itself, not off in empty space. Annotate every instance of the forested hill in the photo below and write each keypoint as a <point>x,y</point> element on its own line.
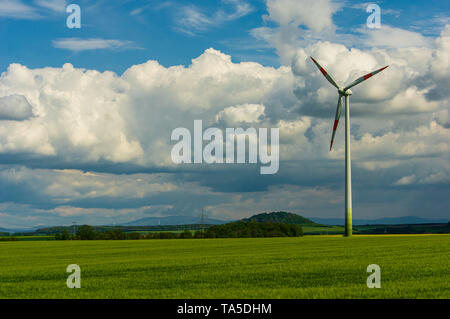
<point>281,217</point>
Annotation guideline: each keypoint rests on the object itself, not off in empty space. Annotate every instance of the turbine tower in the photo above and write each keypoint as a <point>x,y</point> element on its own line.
<point>345,93</point>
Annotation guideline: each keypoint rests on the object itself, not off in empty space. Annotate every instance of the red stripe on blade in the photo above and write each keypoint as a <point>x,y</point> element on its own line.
<point>367,76</point>
<point>335,125</point>
<point>323,71</point>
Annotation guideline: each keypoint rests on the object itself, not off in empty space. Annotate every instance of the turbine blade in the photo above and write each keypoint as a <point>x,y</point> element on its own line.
<point>325,74</point>
<point>365,77</point>
<point>336,120</point>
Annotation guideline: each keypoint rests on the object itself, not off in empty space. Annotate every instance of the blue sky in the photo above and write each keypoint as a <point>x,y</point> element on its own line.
<point>155,30</point>
<point>81,143</point>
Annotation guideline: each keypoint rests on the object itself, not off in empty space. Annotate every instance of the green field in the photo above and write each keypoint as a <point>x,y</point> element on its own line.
<point>412,266</point>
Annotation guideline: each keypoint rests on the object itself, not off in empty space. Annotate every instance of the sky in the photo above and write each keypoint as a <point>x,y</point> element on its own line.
<point>86,114</point>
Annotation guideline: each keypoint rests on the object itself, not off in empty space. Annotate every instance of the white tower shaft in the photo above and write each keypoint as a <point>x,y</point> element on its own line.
<point>348,171</point>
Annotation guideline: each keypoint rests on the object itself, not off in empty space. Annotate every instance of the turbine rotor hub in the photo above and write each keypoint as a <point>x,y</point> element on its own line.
<point>348,92</point>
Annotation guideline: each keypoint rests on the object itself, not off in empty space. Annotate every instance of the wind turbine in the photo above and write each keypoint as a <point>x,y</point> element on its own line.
<point>345,92</point>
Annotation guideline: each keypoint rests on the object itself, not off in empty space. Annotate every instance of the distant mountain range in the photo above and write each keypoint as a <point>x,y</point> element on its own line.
<point>381,221</point>
<point>283,217</point>
<point>173,220</point>
<point>17,230</point>
<point>274,217</point>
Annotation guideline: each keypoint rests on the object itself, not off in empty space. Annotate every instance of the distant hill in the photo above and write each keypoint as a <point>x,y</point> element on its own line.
<point>381,221</point>
<point>173,220</point>
<point>275,224</point>
<point>281,217</point>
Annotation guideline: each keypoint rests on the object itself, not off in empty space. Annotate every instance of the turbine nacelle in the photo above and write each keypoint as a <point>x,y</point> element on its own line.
<point>347,92</point>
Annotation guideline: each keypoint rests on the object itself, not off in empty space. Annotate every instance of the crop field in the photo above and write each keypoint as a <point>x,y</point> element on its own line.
<point>412,266</point>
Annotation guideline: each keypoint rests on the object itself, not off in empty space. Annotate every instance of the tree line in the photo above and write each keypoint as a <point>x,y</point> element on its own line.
<point>241,229</point>
<point>86,232</point>
<point>253,229</point>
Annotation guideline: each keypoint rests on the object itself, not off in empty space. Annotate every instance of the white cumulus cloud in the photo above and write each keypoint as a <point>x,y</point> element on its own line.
<point>78,44</point>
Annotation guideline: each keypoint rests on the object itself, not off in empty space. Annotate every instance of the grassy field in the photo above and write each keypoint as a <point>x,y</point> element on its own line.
<point>412,266</point>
